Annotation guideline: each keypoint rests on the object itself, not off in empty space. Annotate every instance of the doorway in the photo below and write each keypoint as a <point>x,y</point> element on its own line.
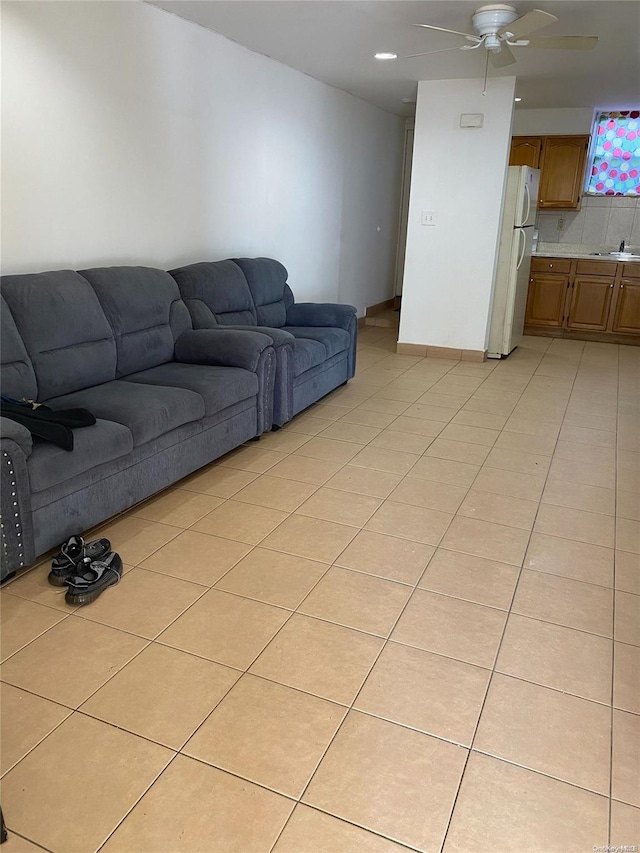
<point>404,205</point>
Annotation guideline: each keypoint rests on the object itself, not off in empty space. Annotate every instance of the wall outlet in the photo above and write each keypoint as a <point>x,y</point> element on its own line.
<point>561,223</point>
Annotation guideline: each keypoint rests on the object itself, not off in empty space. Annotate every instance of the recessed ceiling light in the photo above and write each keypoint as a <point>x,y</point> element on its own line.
<point>386,56</point>
<point>517,99</point>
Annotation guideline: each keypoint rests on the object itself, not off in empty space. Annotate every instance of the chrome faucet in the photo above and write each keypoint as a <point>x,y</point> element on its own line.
<point>621,249</point>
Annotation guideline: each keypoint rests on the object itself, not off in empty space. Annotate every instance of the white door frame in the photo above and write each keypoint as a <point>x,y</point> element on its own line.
<point>404,204</point>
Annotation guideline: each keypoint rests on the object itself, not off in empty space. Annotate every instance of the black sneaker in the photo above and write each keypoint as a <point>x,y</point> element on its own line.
<point>72,553</point>
<point>93,578</point>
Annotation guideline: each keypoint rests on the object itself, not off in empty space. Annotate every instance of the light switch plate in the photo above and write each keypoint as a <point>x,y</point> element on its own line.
<point>428,217</point>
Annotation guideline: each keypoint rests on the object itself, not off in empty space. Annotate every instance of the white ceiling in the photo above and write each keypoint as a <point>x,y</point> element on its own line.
<point>334,41</point>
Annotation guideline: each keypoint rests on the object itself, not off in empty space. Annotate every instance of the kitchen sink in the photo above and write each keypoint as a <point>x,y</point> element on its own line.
<point>619,256</point>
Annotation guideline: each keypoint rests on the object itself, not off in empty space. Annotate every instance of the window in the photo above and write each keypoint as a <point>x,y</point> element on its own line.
<point>615,154</point>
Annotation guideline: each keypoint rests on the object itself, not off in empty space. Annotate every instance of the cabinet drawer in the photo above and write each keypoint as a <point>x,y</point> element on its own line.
<point>631,270</point>
<point>596,268</point>
<point>559,265</point>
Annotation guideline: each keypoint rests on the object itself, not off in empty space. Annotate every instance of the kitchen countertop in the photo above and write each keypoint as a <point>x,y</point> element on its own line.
<point>586,256</point>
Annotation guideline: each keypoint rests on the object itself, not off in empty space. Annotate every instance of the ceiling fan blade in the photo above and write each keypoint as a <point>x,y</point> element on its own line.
<point>566,42</point>
<point>442,50</point>
<point>505,57</point>
<point>528,23</point>
<point>444,30</point>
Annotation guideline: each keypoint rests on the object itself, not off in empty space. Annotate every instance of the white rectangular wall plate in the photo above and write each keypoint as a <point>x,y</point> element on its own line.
<point>428,217</point>
<point>471,119</point>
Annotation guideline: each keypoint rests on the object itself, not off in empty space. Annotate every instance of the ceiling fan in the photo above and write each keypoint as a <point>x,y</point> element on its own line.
<point>499,28</point>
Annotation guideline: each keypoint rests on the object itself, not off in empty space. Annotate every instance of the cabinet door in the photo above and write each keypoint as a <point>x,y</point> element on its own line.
<point>525,151</point>
<point>562,166</point>
<point>546,298</point>
<point>627,318</point>
<point>590,303</point>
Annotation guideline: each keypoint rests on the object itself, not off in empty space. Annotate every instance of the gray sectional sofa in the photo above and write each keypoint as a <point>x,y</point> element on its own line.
<point>315,344</point>
<point>168,397</point>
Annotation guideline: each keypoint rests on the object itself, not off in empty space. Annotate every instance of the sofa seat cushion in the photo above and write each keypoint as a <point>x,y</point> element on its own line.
<point>219,387</point>
<point>147,410</point>
<point>333,339</point>
<point>49,464</point>
<point>307,354</point>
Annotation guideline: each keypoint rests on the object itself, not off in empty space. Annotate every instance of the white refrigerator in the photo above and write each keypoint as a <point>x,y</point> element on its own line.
<point>514,260</point>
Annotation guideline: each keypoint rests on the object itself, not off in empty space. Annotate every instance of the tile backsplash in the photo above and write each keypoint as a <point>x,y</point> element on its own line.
<point>602,222</point>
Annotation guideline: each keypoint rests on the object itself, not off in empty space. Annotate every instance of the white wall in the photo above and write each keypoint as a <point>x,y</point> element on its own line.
<point>460,173</point>
<point>558,121</point>
<point>131,136</point>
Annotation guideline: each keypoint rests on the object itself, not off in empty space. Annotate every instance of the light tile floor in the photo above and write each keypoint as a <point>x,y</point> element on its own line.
<point>407,621</point>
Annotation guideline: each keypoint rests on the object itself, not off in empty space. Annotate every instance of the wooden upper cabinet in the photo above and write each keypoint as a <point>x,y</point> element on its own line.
<point>561,160</point>
<point>562,166</point>
<point>627,316</point>
<point>525,151</point>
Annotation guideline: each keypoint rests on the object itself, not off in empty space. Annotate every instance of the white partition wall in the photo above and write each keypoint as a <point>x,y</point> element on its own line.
<point>458,178</point>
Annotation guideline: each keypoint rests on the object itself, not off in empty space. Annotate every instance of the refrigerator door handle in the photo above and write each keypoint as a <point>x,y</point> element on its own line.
<point>527,192</point>
<point>523,247</point>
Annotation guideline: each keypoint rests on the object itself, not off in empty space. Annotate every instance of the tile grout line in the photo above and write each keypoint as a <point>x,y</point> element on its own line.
<point>613,637</point>
<point>388,639</point>
<point>497,654</point>
<point>350,708</point>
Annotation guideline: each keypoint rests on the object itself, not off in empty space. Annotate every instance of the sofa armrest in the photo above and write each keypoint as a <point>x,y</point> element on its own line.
<point>12,431</point>
<point>224,347</point>
<point>278,336</point>
<point>18,547</point>
<point>321,314</point>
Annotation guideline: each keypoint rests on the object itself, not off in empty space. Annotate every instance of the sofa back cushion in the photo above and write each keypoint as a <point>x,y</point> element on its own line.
<point>17,376</point>
<point>267,280</point>
<point>144,309</point>
<point>65,332</point>
<point>216,293</point>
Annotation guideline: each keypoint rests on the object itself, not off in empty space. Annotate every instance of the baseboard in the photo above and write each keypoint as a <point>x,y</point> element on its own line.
<point>425,351</point>
<point>362,322</point>
<point>379,307</point>
<point>411,349</point>
<point>583,335</point>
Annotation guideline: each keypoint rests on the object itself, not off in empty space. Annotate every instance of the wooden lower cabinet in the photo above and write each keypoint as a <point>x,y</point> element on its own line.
<point>596,299</point>
<point>627,313</point>
<point>590,302</point>
<point>546,299</point>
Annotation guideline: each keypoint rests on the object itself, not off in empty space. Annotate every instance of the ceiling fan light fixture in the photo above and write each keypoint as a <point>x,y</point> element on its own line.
<point>492,43</point>
<point>385,55</point>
